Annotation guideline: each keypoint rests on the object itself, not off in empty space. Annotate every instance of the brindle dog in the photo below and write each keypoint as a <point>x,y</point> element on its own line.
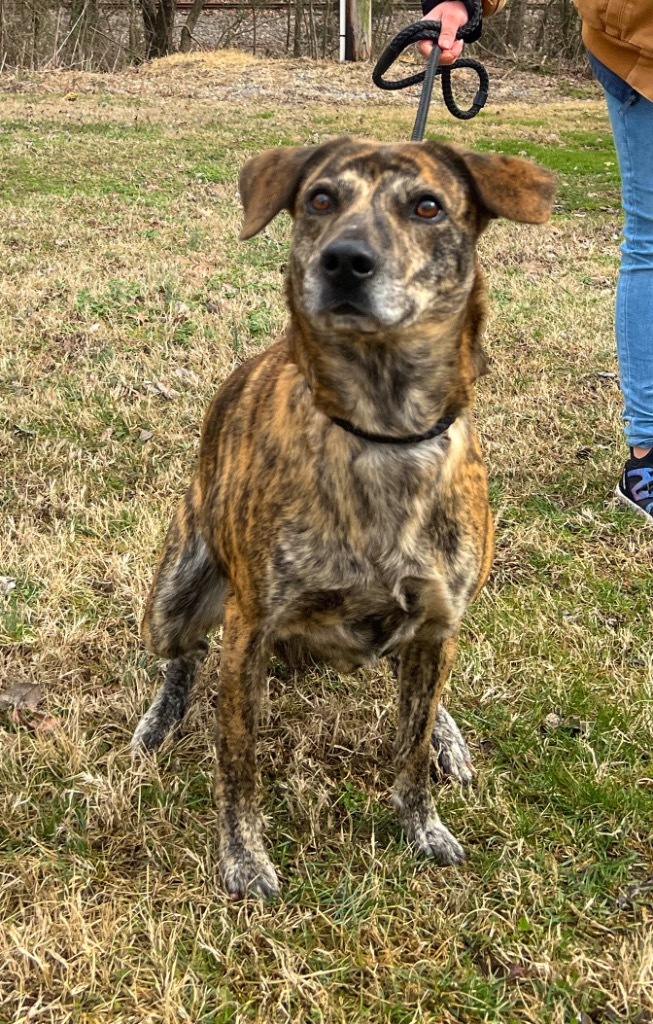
<point>339,508</point>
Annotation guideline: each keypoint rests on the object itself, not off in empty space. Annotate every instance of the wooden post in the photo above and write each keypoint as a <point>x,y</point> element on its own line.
<point>358,29</point>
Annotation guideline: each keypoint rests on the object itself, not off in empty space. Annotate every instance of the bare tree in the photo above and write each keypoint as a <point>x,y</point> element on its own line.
<point>297,33</point>
<point>3,41</point>
<point>514,36</point>
<point>186,40</point>
<point>81,32</point>
<point>103,35</point>
<point>158,26</point>
<point>134,35</point>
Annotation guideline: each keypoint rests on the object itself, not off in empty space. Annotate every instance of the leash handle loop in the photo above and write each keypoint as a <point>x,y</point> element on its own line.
<point>430,30</point>
<point>409,35</point>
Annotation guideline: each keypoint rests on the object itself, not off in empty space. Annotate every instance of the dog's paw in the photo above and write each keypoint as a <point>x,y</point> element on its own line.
<point>164,713</point>
<point>424,830</point>
<point>433,839</point>
<point>248,873</point>
<point>451,751</point>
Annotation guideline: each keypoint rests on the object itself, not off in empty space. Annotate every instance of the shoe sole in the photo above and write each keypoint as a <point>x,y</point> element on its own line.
<point>625,500</point>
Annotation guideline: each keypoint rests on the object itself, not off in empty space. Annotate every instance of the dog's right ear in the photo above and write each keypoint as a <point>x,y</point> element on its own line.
<point>268,183</point>
<point>511,187</point>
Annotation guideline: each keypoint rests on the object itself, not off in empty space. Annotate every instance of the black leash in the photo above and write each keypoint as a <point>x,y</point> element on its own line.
<point>431,30</point>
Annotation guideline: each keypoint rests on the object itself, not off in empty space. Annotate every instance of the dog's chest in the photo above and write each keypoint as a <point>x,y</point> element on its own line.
<point>353,613</point>
<point>361,587</point>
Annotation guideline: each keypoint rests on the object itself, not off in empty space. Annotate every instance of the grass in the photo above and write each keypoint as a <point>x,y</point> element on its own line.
<point>125,300</point>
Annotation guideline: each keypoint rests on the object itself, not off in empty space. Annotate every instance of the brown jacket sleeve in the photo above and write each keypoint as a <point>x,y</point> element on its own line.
<point>489,6</point>
<point>492,6</point>
<point>620,35</point>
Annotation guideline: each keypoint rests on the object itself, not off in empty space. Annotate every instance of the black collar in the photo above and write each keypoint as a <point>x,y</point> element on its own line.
<point>438,428</point>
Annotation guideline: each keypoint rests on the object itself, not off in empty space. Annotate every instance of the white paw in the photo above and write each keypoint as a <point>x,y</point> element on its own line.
<point>451,752</point>
<point>164,713</point>
<point>433,839</point>
<point>249,873</point>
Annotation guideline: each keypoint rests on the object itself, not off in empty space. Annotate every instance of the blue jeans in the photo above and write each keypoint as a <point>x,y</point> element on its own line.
<point>631,115</point>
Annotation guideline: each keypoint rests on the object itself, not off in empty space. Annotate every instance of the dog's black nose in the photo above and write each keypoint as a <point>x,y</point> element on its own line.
<point>348,262</point>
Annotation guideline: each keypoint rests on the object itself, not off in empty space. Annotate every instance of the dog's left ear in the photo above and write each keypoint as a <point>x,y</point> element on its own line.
<point>511,187</point>
<point>268,183</point>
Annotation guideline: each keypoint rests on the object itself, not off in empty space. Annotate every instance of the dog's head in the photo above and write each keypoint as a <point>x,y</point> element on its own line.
<point>385,235</point>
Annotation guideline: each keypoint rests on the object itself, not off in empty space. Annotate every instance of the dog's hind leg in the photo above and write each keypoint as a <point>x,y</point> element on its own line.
<point>170,701</point>
<point>451,751</point>
<point>184,605</point>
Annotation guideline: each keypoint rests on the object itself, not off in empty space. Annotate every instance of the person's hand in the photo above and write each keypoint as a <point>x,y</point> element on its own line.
<point>453,15</point>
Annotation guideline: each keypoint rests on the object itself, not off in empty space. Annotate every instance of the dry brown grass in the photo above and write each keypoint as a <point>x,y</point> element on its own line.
<point>125,300</point>
<point>234,75</point>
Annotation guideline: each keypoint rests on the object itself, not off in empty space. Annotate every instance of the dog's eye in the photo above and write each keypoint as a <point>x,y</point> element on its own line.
<point>427,208</point>
<point>321,202</point>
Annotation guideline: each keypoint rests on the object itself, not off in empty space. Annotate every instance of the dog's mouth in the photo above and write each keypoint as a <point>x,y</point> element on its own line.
<point>346,307</point>
<point>357,313</point>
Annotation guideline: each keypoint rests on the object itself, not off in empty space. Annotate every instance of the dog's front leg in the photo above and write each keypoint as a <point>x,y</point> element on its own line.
<point>244,863</point>
<point>424,668</point>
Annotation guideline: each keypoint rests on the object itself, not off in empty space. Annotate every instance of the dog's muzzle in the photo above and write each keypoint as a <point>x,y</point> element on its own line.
<point>346,267</point>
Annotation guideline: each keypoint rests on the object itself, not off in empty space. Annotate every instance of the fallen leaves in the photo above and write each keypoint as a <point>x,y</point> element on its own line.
<point>21,695</point>
<point>48,724</point>
<point>551,722</point>
<point>630,894</point>
<point>157,387</point>
<point>6,585</point>
<point>20,703</point>
<point>573,725</point>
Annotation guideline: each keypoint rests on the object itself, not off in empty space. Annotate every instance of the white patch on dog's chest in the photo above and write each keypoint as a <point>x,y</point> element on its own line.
<point>363,592</point>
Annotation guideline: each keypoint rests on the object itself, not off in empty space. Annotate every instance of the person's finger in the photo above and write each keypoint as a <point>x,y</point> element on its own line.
<point>452,17</point>
<point>452,54</point>
<point>448,56</point>
<point>451,22</point>
<point>448,31</point>
<point>447,39</point>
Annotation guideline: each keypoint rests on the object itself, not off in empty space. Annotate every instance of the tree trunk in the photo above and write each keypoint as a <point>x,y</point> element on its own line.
<point>3,48</point>
<point>134,37</point>
<point>569,31</point>
<point>297,38</point>
<point>515,27</point>
<point>36,29</point>
<point>186,40</point>
<point>312,32</point>
<point>326,17</point>
<point>158,25</point>
<point>83,22</point>
<point>358,30</point>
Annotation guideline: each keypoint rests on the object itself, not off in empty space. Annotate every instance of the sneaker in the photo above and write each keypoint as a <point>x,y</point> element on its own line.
<point>635,488</point>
